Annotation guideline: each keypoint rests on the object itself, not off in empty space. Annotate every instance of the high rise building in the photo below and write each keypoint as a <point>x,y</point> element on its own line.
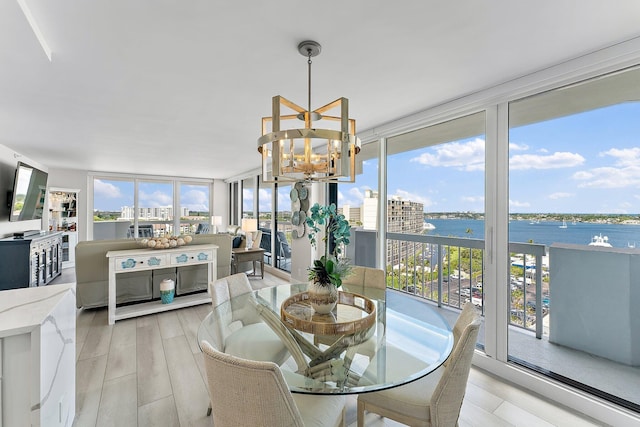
<point>403,216</point>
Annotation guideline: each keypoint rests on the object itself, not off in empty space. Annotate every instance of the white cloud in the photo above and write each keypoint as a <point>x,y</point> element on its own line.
<point>195,200</point>
<point>626,157</point>
<point>467,156</point>
<point>609,177</point>
<point>105,189</point>
<point>264,200</point>
<point>518,147</point>
<point>560,195</point>
<point>155,200</point>
<point>625,171</point>
<point>353,197</point>
<point>543,150</point>
<point>405,195</point>
<point>517,204</point>
<point>553,161</point>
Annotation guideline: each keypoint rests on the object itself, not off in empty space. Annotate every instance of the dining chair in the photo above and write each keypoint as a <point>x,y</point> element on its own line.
<point>239,328</point>
<point>435,399</point>
<point>365,277</point>
<point>254,393</point>
<point>369,281</point>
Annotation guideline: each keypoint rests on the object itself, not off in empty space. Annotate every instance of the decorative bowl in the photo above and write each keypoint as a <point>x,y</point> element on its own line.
<point>167,242</point>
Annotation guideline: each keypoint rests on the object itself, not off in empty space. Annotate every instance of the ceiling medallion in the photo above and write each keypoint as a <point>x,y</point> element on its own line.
<point>309,153</point>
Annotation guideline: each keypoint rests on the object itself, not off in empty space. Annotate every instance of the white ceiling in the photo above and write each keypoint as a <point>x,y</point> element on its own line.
<point>179,87</point>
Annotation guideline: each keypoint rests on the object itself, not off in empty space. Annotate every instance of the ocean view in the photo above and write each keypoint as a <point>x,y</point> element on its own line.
<point>543,232</point>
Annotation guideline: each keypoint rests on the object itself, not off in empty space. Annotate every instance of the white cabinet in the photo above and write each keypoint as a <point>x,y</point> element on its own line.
<point>63,216</point>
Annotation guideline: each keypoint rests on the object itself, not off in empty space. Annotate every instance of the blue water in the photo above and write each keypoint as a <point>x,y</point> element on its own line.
<point>544,232</point>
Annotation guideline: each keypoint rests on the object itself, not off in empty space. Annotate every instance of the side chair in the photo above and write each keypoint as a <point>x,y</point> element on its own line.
<point>240,330</point>
<point>434,400</point>
<point>252,393</point>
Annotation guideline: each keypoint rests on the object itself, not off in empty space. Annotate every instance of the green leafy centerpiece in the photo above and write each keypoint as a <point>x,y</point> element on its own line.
<point>326,273</point>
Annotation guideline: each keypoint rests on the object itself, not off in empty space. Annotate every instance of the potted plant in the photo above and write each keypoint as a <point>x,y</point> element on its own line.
<point>326,273</point>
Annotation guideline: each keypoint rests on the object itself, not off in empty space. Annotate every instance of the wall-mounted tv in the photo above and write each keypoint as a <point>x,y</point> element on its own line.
<point>29,193</point>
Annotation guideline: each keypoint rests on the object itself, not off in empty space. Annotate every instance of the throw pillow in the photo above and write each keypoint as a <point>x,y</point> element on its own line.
<point>237,241</point>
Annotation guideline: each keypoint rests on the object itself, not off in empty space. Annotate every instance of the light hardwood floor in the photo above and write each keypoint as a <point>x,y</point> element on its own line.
<point>148,371</point>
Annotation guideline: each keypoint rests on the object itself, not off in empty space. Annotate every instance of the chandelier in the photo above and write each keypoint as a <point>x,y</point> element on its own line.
<point>309,153</point>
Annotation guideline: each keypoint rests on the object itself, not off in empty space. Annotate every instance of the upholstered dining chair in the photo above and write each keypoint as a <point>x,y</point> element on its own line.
<point>365,277</point>
<point>434,400</point>
<point>252,393</point>
<point>239,328</point>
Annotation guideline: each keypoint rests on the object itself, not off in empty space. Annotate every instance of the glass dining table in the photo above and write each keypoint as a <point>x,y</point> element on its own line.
<point>362,346</point>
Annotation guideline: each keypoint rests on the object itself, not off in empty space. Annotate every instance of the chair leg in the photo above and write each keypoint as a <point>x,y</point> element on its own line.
<point>360,414</point>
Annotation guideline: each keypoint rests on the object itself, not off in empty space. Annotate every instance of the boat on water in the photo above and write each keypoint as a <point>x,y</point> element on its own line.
<point>428,226</point>
<point>600,240</point>
<point>564,224</point>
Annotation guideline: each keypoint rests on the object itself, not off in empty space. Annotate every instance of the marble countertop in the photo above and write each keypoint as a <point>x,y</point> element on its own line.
<point>21,310</point>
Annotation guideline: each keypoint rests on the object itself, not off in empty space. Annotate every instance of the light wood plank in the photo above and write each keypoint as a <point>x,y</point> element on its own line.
<point>99,338</point>
<point>84,318</point>
<point>122,353</point>
<point>89,380</point>
<point>151,366</point>
<point>161,412</point>
<point>475,415</point>
<point>190,321</point>
<point>189,390</point>
<point>169,325</point>
<point>518,416</point>
<point>118,405</point>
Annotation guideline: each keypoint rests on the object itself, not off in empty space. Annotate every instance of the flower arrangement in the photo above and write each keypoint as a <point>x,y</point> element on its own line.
<point>329,269</point>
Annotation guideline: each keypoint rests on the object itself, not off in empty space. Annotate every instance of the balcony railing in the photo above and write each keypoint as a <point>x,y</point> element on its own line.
<point>449,271</point>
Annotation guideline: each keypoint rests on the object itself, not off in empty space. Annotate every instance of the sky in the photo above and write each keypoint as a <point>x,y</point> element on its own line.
<point>583,163</point>
<point>112,195</point>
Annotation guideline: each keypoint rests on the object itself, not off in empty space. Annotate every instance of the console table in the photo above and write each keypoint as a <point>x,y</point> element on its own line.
<point>240,255</point>
<point>150,259</point>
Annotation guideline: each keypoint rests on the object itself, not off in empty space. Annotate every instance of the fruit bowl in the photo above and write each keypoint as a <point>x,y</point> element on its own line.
<point>167,242</point>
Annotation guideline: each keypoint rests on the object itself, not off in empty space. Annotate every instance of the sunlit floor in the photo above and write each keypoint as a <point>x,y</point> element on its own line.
<point>148,371</point>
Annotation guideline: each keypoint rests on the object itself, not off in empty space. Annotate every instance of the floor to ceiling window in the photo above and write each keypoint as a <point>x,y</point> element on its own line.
<point>265,215</point>
<point>195,214</point>
<point>283,229</point>
<point>574,179</point>
<point>110,199</point>
<point>140,207</point>
<point>435,189</point>
<point>358,202</point>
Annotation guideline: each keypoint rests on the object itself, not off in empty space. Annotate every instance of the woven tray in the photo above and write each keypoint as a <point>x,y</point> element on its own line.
<point>354,313</point>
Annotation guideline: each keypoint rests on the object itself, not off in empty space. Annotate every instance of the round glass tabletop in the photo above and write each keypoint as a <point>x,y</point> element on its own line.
<point>394,350</point>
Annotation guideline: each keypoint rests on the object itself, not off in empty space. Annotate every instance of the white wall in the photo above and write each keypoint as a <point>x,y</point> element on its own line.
<point>8,163</point>
<point>77,180</point>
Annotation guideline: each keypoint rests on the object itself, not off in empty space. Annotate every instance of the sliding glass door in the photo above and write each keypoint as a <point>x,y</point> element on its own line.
<point>574,180</point>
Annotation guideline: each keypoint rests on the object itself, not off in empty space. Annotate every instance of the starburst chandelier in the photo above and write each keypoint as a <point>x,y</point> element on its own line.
<point>309,153</point>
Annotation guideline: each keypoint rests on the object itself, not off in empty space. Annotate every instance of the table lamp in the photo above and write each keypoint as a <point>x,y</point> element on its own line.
<point>217,220</point>
<point>249,226</point>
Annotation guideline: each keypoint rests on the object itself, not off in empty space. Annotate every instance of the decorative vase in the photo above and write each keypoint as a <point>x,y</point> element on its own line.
<point>167,291</point>
<point>322,297</point>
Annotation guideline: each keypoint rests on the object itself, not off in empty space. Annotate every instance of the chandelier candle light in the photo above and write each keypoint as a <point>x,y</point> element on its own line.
<point>310,153</point>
